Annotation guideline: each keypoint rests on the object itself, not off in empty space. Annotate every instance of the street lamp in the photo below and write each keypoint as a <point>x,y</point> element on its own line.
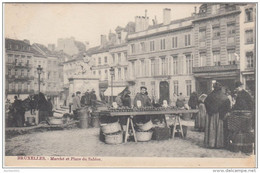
<point>112,73</point>
<point>39,70</point>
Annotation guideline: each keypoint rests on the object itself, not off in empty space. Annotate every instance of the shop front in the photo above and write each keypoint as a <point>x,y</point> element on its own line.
<point>227,75</point>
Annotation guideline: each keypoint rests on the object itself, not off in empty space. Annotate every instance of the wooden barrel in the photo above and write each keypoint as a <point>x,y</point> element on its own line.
<point>83,119</point>
<point>95,122</point>
<point>241,142</point>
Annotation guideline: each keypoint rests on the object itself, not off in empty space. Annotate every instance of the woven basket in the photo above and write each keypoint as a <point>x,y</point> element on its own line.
<point>114,138</point>
<point>110,128</point>
<point>145,127</point>
<point>239,123</point>
<point>55,121</point>
<point>144,136</point>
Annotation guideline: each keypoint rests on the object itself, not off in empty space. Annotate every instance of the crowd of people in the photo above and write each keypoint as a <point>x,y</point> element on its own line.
<point>215,107</point>
<point>16,110</point>
<point>77,101</point>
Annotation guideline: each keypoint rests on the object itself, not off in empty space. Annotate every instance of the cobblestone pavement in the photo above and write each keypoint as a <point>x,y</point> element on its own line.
<point>85,142</point>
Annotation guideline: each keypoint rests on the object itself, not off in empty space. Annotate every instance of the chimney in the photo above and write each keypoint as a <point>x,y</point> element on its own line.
<point>103,40</point>
<point>26,41</point>
<point>195,10</point>
<point>138,24</point>
<point>166,16</point>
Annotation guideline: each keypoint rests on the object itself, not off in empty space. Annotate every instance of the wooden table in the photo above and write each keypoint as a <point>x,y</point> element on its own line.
<point>176,113</point>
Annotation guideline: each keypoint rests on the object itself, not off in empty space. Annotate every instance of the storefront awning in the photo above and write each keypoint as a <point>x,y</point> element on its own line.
<point>116,91</point>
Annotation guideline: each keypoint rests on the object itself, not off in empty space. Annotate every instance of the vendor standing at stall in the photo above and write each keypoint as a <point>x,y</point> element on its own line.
<point>76,104</point>
<point>217,105</point>
<point>145,101</point>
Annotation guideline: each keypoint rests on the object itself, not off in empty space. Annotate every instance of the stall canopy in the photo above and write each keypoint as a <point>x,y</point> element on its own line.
<point>116,91</point>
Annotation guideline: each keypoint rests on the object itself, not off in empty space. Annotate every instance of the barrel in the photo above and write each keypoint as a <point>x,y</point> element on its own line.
<point>241,142</point>
<point>95,122</point>
<point>83,118</point>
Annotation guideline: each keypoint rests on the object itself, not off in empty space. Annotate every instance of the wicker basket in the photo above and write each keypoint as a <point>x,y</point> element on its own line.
<point>144,136</point>
<point>114,138</point>
<point>57,114</point>
<point>145,127</point>
<point>55,121</point>
<point>239,123</point>
<point>110,128</point>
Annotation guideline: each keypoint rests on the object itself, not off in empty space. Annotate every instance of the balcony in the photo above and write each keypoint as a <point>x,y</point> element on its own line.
<point>219,68</point>
<point>19,91</point>
<point>19,77</point>
<point>18,65</point>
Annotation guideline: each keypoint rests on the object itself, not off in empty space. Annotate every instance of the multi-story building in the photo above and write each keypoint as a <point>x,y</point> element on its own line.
<point>39,60</point>
<point>119,57</point>
<point>19,69</point>
<point>223,45</point>
<point>161,57</point>
<point>247,46</point>
<point>101,58</point>
<point>51,81</point>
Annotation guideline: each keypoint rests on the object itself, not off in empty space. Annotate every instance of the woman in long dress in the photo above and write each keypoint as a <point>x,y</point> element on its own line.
<point>200,120</point>
<point>217,105</point>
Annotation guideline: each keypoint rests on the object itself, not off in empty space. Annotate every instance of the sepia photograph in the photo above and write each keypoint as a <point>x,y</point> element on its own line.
<point>129,84</point>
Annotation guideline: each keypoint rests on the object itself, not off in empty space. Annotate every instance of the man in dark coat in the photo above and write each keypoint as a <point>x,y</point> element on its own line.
<point>93,98</point>
<point>243,99</point>
<point>18,112</point>
<point>126,99</point>
<point>43,107</point>
<point>145,101</point>
<point>143,97</point>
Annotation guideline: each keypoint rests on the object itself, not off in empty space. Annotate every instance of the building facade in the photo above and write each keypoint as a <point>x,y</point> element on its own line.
<point>218,38</point>
<point>248,46</point>
<point>161,58</point>
<point>19,68</point>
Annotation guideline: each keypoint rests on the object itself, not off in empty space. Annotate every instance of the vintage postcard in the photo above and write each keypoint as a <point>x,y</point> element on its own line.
<point>159,85</point>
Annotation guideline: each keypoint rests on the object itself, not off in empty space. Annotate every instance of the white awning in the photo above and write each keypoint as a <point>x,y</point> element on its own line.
<point>116,91</point>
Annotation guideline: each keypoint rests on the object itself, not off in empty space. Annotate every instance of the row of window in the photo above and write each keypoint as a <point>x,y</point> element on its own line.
<point>105,73</point>
<point>249,36</point>
<point>19,86</point>
<point>18,72</point>
<point>18,47</point>
<point>121,57</point>
<point>152,89</point>
<point>17,56</point>
<point>233,58</point>
<point>168,66</point>
<point>174,44</point>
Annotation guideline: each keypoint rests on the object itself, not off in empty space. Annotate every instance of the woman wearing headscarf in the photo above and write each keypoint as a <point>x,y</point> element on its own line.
<point>200,119</point>
<point>43,107</point>
<point>217,105</point>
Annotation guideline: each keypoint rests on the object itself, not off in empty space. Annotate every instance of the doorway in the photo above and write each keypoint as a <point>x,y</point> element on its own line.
<point>164,92</point>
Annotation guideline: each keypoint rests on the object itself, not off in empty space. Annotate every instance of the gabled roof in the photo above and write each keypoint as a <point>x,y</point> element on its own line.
<point>42,49</point>
<point>17,45</point>
<point>36,53</point>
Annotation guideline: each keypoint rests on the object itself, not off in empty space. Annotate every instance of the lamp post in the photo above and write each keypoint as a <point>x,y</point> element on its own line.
<point>112,73</point>
<point>39,70</point>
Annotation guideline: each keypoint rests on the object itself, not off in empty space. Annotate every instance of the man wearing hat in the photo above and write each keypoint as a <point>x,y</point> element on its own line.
<point>76,104</point>
<point>142,97</point>
<point>243,99</point>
